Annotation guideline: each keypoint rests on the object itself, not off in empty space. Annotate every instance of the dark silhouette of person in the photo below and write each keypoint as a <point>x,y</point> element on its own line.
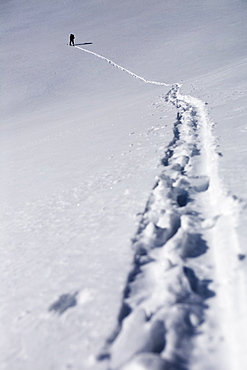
<point>72,39</point>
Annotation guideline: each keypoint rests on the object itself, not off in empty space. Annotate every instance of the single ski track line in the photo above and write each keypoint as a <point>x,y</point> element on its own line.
<point>164,300</point>
<point>124,69</point>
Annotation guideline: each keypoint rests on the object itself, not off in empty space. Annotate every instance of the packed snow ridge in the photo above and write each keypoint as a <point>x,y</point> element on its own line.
<point>164,301</point>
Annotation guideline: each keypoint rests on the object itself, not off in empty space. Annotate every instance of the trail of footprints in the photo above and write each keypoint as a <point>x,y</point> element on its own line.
<point>164,301</point>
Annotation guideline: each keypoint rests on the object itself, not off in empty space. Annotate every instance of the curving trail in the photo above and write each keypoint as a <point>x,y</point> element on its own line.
<point>186,216</point>
<point>123,69</point>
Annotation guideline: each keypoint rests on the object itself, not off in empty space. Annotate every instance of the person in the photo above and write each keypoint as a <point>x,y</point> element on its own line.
<point>72,39</point>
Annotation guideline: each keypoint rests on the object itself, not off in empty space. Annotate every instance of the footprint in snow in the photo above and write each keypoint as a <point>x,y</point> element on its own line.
<point>63,303</point>
<point>67,301</point>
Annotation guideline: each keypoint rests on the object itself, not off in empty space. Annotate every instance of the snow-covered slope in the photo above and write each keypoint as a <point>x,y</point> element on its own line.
<point>123,204</point>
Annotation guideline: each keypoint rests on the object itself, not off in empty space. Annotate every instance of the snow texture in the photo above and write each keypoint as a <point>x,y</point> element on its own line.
<point>123,199</point>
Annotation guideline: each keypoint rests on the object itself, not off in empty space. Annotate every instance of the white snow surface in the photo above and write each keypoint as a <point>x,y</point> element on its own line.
<point>123,185</point>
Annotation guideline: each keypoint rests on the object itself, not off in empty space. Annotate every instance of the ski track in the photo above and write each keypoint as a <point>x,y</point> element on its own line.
<point>164,301</point>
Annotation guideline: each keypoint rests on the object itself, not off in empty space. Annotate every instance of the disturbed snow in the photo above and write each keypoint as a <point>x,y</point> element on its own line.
<point>73,194</point>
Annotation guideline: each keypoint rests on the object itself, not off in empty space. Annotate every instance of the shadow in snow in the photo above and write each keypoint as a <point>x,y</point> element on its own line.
<point>198,286</point>
<point>84,43</point>
<point>64,302</point>
<point>194,246</point>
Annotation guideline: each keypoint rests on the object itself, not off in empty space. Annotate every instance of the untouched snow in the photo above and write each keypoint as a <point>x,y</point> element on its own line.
<point>123,179</point>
